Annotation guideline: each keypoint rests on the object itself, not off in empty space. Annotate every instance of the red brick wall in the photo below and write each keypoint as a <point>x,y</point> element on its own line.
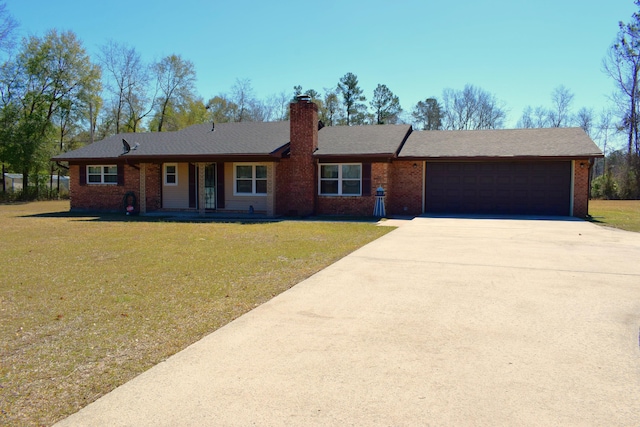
<point>295,177</point>
<point>405,193</point>
<point>358,205</point>
<point>108,198</point>
<point>581,188</point>
<point>283,186</point>
<point>153,186</point>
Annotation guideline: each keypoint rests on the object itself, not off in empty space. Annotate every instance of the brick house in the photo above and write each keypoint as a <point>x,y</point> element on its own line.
<point>301,168</point>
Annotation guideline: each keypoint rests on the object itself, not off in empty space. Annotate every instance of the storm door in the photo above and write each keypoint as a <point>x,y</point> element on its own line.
<point>210,186</point>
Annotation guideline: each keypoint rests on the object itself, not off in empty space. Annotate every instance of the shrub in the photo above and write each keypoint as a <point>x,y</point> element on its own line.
<point>604,187</point>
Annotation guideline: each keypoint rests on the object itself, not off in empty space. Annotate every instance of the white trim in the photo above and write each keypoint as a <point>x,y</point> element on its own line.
<point>573,184</point>
<point>339,179</point>
<point>166,174</point>
<point>424,185</point>
<point>254,180</point>
<point>102,175</point>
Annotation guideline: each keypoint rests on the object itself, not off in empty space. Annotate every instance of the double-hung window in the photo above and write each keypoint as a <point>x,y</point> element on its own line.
<point>341,179</point>
<point>170,174</point>
<point>250,179</point>
<point>102,174</point>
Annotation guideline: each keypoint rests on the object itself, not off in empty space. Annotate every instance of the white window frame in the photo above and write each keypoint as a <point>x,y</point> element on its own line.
<point>102,175</point>
<point>166,174</point>
<point>339,179</point>
<point>254,179</point>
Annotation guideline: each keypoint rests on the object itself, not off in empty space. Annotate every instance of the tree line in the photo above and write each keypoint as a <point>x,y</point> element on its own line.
<point>54,97</point>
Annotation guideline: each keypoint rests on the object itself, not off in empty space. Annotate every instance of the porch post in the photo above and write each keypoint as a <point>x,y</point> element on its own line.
<point>201,190</point>
<point>143,188</point>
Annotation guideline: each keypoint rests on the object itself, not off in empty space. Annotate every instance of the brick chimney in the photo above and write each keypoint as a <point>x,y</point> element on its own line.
<point>303,143</point>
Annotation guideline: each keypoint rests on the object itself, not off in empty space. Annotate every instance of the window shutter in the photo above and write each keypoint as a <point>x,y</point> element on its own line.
<point>366,179</point>
<point>220,185</point>
<point>192,185</point>
<point>120,174</point>
<point>83,174</point>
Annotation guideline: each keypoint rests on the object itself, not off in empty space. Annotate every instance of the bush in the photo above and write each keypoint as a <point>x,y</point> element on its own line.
<point>628,188</point>
<point>604,187</point>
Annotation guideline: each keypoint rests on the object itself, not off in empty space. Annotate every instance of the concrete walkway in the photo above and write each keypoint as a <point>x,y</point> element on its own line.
<point>443,322</point>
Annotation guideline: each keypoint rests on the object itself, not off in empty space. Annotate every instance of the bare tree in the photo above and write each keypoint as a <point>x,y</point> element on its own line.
<point>584,119</point>
<point>472,108</point>
<point>560,113</point>
<point>541,117</point>
<point>8,27</point>
<point>279,104</point>
<point>242,96</point>
<point>622,64</point>
<point>127,79</point>
<point>176,80</point>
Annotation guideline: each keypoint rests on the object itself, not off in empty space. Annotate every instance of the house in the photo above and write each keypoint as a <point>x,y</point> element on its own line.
<point>301,168</point>
<point>14,182</point>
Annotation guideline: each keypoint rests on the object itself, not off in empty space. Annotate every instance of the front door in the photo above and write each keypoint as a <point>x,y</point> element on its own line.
<point>210,186</point>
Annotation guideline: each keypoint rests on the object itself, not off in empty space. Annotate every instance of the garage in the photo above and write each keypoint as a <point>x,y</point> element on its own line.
<point>499,187</point>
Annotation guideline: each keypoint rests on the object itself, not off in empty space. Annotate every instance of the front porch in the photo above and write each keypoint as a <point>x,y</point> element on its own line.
<point>205,188</point>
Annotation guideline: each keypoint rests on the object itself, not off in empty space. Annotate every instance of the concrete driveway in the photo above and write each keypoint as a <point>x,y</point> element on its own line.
<point>443,322</point>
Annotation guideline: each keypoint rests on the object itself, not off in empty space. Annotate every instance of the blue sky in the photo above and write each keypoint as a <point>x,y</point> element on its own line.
<point>517,50</point>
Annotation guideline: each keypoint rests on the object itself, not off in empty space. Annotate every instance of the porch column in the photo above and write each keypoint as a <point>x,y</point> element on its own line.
<point>143,188</point>
<point>201,190</point>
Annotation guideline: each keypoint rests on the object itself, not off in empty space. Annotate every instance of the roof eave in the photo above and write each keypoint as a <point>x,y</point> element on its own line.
<point>381,157</point>
<point>155,158</point>
<point>503,158</point>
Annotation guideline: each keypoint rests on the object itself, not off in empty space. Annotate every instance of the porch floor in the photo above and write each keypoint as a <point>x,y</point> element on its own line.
<point>209,216</point>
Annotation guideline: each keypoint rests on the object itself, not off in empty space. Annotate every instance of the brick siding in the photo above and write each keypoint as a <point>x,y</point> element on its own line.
<point>581,188</point>
<point>100,197</point>
<point>405,193</point>
<point>357,205</point>
<point>153,186</point>
<point>296,183</point>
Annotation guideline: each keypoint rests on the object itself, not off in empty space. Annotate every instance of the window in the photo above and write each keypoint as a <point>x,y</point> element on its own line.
<point>170,174</point>
<point>250,179</point>
<point>102,174</point>
<point>340,179</point>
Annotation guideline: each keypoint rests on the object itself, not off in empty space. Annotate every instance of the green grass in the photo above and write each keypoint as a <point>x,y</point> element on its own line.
<point>623,214</point>
<point>87,303</point>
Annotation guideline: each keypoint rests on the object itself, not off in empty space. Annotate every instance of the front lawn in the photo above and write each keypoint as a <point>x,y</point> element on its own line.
<point>624,214</point>
<point>87,303</point>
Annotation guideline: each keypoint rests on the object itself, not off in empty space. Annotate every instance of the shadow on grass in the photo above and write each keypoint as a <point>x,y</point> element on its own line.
<point>165,217</point>
<point>596,219</point>
<point>193,218</point>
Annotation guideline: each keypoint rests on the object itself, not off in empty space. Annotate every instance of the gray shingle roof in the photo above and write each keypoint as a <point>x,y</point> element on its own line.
<point>228,139</point>
<point>268,138</point>
<point>547,142</point>
<point>361,140</point>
